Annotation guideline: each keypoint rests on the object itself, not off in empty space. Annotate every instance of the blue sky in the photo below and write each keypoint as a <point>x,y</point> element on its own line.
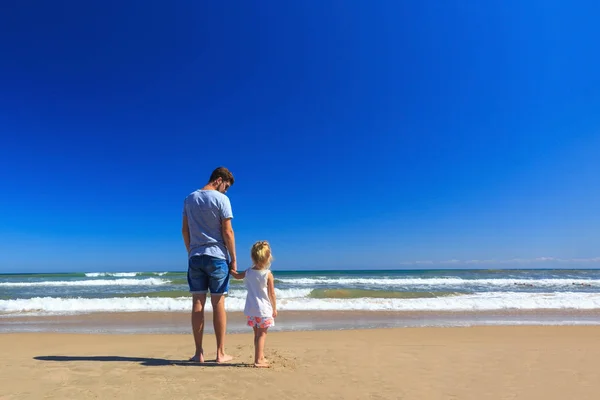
<point>361,134</point>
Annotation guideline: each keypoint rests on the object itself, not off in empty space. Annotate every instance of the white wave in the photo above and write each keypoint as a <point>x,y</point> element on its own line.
<point>115,274</point>
<point>474,302</point>
<point>280,293</point>
<point>97,282</point>
<point>441,282</point>
<point>78,305</point>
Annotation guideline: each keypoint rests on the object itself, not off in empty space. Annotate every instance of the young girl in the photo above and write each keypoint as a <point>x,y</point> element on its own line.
<point>261,305</point>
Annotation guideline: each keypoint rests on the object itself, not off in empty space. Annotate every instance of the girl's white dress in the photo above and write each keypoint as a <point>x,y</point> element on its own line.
<point>258,306</point>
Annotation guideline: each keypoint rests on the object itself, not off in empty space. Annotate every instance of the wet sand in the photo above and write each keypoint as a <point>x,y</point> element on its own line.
<point>179,322</point>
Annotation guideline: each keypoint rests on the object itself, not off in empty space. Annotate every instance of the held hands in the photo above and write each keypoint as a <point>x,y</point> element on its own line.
<point>233,266</point>
<point>233,271</point>
<point>238,275</point>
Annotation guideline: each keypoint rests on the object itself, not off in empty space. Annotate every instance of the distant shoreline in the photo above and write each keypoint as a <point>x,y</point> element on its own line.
<point>310,271</point>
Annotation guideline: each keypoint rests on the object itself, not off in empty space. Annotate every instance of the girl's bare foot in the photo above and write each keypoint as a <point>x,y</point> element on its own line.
<point>224,358</point>
<point>262,364</point>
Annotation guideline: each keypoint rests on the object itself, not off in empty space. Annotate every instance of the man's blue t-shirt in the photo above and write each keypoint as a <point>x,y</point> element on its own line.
<point>205,211</point>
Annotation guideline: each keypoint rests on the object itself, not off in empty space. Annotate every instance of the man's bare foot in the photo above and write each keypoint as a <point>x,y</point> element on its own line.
<point>263,361</point>
<point>224,358</point>
<point>262,364</point>
<point>197,358</point>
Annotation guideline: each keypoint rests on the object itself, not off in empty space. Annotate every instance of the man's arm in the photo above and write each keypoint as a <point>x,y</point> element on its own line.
<point>229,239</point>
<point>185,231</point>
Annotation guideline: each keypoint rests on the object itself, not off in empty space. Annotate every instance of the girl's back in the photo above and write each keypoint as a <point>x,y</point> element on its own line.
<point>257,299</point>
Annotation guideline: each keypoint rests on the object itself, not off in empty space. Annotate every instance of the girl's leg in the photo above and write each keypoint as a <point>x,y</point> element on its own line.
<point>255,337</point>
<point>259,350</point>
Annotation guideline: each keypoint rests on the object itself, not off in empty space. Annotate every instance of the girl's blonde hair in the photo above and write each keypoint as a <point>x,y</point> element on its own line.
<point>261,254</point>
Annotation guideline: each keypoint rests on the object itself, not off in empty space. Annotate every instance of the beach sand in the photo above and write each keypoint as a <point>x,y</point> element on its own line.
<point>518,362</point>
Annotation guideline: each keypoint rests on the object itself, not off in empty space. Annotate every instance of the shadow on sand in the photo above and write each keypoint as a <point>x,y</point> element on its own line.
<point>150,362</point>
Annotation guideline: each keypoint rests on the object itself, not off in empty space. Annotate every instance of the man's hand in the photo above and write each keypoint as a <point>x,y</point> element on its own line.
<point>233,265</point>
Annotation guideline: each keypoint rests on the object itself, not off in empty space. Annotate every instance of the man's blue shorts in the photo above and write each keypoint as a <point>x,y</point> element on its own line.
<point>208,273</point>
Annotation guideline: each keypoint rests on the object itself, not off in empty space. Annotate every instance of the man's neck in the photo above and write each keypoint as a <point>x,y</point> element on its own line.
<point>209,186</point>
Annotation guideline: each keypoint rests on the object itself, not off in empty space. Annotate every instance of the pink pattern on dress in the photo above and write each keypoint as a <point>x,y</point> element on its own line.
<point>260,322</point>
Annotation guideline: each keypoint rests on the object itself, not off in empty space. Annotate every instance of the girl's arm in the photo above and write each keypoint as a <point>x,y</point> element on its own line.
<point>238,275</point>
<point>271,290</point>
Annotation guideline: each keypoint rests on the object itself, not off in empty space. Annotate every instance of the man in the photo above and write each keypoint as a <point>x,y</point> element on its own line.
<point>208,238</point>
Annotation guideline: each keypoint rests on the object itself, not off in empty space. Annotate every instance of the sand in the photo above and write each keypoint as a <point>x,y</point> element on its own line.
<point>544,362</point>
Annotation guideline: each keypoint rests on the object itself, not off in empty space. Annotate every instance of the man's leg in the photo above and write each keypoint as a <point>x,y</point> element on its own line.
<point>198,324</point>
<point>220,325</point>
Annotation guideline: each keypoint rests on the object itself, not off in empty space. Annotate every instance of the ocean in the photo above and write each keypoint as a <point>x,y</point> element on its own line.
<point>450,297</point>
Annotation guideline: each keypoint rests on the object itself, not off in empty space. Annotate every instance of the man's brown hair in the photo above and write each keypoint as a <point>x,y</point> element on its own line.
<point>223,173</point>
